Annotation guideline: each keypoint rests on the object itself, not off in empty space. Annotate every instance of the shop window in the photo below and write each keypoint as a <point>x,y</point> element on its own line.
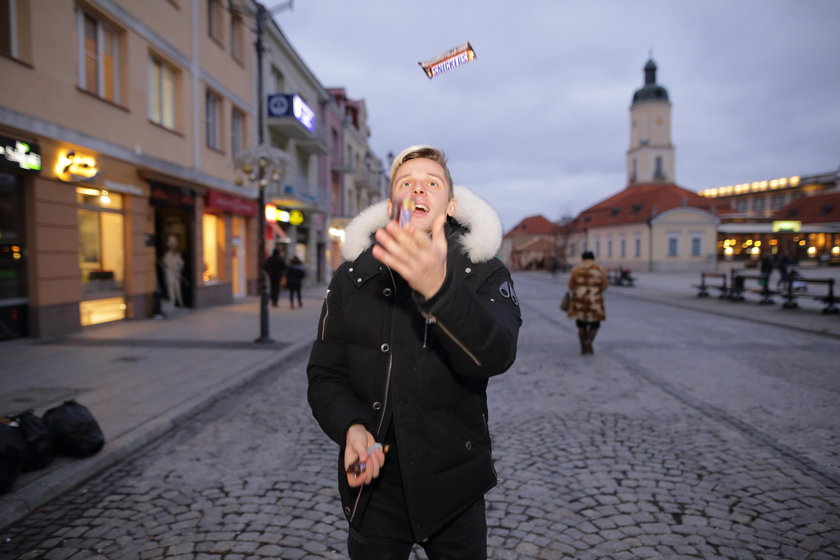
<point>162,91</point>
<point>215,15</point>
<point>212,120</point>
<point>237,133</point>
<point>101,255</point>
<point>213,234</point>
<point>98,56</point>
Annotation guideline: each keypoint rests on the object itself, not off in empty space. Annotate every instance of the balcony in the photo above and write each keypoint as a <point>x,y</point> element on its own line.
<point>290,116</point>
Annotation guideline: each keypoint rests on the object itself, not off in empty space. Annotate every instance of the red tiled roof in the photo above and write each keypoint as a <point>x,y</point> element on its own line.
<point>534,225</point>
<point>815,209</point>
<point>639,203</point>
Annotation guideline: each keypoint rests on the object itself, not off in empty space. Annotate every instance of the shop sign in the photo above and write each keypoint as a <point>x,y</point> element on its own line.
<point>285,105</point>
<point>161,195</point>
<point>215,200</point>
<point>787,226</point>
<point>19,155</point>
<point>75,167</point>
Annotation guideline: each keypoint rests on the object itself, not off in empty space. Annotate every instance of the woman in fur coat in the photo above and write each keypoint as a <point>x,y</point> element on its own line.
<point>586,285</point>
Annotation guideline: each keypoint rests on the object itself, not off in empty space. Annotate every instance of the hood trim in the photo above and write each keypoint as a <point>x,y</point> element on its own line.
<point>481,242</point>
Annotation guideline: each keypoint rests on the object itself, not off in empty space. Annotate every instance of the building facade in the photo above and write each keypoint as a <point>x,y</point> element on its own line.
<point>779,217</point>
<point>134,116</point>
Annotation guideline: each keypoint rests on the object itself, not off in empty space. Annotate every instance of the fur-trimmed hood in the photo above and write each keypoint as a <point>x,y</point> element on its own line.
<point>480,242</point>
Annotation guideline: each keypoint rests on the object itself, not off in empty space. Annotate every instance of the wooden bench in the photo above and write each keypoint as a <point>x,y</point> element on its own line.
<point>704,287</point>
<point>620,277</point>
<point>791,293</point>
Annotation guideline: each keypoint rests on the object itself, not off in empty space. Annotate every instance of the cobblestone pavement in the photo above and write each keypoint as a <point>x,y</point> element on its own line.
<point>685,436</point>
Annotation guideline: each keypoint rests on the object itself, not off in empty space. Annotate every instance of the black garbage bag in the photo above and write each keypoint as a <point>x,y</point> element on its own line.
<point>74,430</point>
<point>12,450</point>
<point>39,444</point>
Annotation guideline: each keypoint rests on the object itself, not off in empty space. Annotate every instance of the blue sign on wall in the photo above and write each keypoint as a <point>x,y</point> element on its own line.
<point>287,105</point>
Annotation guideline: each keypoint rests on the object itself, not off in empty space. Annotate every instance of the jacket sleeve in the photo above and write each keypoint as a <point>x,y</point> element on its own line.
<point>479,328</point>
<point>332,399</point>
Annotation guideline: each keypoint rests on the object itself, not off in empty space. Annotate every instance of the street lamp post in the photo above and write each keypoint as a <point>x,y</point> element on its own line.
<point>263,165</point>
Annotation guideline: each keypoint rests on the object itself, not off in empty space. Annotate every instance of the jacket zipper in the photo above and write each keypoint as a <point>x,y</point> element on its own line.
<point>326,314</point>
<point>387,390</point>
<point>431,319</point>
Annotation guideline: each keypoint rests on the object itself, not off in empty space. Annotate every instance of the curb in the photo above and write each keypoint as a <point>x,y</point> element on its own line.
<point>67,474</point>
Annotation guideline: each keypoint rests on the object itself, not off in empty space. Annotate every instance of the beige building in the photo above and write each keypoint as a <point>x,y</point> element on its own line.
<point>119,123</point>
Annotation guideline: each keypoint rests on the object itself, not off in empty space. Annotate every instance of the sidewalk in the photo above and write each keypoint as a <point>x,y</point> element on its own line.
<point>141,379</point>
<point>678,289</point>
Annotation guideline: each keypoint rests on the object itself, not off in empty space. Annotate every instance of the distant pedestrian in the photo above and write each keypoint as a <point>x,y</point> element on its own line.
<point>783,264</point>
<point>766,267</point>
<point>294,280</point>
<point>587,283</point>
<point>275,267</point>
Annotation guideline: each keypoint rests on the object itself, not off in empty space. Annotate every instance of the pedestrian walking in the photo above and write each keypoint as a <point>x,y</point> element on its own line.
<point>587,284</point>
<point>766,267</point>
<point>275,267</point>
<point>294,281</point>
<point>411,329</point>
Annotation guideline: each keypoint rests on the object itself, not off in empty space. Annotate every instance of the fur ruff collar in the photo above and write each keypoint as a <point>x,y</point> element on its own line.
<point>480,242</point>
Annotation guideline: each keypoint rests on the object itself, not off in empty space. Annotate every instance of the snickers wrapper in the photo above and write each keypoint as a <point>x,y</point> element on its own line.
<point>452,58</point>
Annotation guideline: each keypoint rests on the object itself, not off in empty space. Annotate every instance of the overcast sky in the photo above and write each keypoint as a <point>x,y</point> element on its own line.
<point>539,122</point>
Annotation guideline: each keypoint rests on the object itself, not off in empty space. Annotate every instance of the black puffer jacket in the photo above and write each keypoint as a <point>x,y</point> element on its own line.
<point>384,354</point>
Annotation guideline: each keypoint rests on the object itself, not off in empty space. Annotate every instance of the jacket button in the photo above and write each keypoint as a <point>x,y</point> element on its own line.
<point>468,445</point>
<point>468,270</point>
<point>350,269</point>
<point>384,348</point>
<point>377,405</point>
<point>386,292</point>
<point>358,280</point>
<point>347,511</point>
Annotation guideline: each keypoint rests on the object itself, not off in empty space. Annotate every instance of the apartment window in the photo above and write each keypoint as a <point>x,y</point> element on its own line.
<point>162,87</point>
<point>758,204</point>
<point>99,54</point>
<point>215,15</point>
<point>696,246</point>
<point>777,201</point>
<point>637,246</point>
<point>213,120</point>
<point>741,205</point>
<point>237,38</point>
<point>9,28</point>
<point>237,132</point>
<point>673,245</point>
<point>597,247</point>
<point>277,80</point>
<point>623,247</point>
<point>609,247</point>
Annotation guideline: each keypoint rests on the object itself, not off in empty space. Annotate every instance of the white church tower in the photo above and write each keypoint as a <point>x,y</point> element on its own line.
<point>650,158</point>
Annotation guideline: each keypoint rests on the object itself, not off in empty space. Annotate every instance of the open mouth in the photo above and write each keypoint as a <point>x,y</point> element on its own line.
<point>420,208</point>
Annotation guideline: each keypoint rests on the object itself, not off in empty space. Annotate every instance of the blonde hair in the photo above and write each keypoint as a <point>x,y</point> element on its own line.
<point>424,151</point>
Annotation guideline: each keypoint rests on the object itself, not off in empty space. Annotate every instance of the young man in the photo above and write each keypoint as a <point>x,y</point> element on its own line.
<point>412,327</point>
